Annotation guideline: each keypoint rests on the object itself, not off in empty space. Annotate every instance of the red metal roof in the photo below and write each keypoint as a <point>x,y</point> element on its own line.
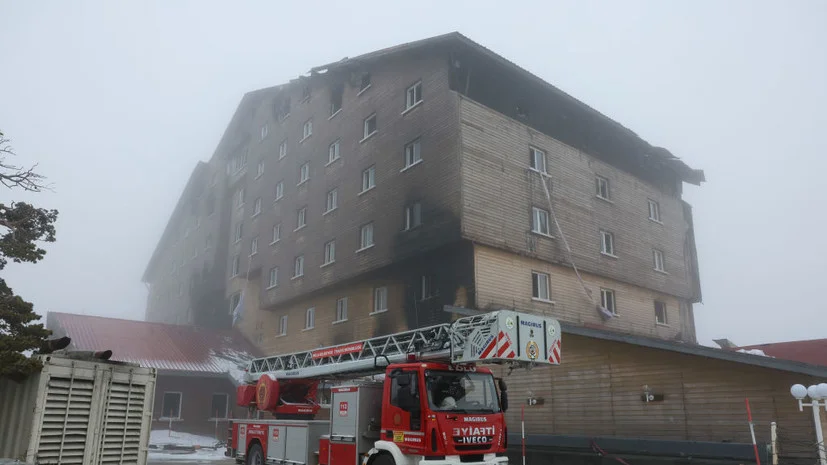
<point>157,345</point>
<point>813,351</point>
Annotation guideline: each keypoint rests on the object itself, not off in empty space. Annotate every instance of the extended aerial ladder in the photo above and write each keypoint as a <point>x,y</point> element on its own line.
<point>502,337</point>
<point>433,401</point>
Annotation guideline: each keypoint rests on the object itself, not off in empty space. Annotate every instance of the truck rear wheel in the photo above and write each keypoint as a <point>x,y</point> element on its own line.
<point>255,456</point>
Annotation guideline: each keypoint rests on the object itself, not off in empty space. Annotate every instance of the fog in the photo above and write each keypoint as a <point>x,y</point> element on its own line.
<point>117,101</point>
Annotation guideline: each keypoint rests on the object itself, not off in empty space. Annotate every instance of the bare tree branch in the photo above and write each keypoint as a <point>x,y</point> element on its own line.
<point>12,176</point>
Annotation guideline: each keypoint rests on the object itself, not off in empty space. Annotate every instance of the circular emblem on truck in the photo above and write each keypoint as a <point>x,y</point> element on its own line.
<point>261,393</point>
<point>532,350</point>
<point>509,323</point>
<point>551,330</point>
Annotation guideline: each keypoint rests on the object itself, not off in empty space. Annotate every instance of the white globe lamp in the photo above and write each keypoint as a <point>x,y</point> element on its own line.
<point>798,391</point>
<point>821,390</point>
<point>812,391</point>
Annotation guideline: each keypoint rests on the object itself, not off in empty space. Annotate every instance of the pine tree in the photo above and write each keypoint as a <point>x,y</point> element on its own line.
<point>22,226</point>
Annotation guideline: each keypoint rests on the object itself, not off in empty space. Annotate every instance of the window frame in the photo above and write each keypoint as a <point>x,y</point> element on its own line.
<point>329,252</point>
<point>276,237</point>
<point>260,169</point>
<point>240,197</point>
<point>659,266</point>
<point>333,151</point>
<point>301,218</point>
<point>412,102</point>
<point>257,207</point>
<point>264,131</point>
<point>663,307</point>
<point>341,310</point>
<point>535,286</point>
<point>362,236</point>
<point>235,266</point>
<point>298,266</point>
<point>279,191</point>
<point>273,278</point>
<point>310,318</point>
<point>606,296</point>
<point>532,160</point>
<point>611,243</point>
<point>413,156</point>
<point>334,204</point>
<point>238,233</point>
<point>370,171</point>
<point>536,213</point>
<point>376,292</point>
<point>654,211</point>
<point>226,406</point>
<point>304,173</point>
<point>601,181</point>
<point>180,405</point>
<point>307,129</point>
<point>365,125</point>
<point>283,149</point>
<point>413,216</point>
<point>282,326</point>
<point>253,246</point>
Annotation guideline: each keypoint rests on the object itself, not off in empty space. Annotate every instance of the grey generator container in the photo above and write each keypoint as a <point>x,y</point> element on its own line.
<point>78,412</point>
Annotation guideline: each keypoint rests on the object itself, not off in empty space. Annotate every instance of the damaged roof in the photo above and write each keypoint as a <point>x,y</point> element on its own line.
<point>166,347</point>
<point>684,171</point>
<point>813,351</point>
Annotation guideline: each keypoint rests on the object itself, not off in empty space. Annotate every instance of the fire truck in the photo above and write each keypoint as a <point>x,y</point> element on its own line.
<point>409,398</point>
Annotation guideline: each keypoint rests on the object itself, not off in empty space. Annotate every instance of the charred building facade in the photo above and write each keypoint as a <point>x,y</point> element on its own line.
<point>366,196</point>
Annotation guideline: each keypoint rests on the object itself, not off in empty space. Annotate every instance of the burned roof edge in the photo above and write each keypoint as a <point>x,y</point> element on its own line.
<point>686,173</point>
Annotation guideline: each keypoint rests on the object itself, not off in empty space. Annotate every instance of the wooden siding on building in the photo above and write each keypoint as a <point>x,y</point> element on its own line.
<point>499,192</point>
<point>597,391</point>
<point>503,280</point>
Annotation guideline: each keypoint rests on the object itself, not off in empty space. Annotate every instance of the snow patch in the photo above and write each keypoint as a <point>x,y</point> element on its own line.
<point>163,437</point>
<point>753,352</point>
<point>170,446</point>
<point>197,456</point>
<point>233,362</point>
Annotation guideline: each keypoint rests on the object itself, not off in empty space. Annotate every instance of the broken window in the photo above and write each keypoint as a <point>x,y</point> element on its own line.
<point>336,99</point>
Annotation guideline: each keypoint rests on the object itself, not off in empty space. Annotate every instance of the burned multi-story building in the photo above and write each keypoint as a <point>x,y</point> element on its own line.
<point>371,193</point>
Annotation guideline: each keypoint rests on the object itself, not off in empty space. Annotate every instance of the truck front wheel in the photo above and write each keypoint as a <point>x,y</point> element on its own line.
<point>255,456</point>
<point>382,459</point>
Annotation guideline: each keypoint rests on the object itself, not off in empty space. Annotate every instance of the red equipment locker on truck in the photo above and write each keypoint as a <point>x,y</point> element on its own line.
<point>433,405</point>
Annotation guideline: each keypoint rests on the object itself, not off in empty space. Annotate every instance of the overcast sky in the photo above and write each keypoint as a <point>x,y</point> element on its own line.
<point>117,101</point>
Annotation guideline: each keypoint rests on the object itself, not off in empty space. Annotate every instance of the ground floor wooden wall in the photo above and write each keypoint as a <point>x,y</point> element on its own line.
<point>597,391</point>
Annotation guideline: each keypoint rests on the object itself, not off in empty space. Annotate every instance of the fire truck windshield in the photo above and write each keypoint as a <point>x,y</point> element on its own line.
<point>451,391</point>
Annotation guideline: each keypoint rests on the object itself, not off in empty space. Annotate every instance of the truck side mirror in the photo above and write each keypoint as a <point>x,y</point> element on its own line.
<point>503,387</point>
<point>504,400</point>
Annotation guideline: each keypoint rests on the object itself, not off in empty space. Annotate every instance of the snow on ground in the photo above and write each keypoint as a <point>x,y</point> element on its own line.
<point>200,455</point>
<point>186,447</point>
<point>753,352</point>
<point>161,437</point>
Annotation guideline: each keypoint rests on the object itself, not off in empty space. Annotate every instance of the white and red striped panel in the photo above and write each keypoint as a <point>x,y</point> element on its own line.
<point>499,347</point>
<point>555,352</point>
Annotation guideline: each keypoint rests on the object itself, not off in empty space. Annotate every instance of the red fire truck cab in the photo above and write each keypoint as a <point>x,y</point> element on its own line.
<point>429,411</point>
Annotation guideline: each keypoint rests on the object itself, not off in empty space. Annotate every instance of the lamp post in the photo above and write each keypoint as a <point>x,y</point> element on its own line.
<point>816,393</point>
